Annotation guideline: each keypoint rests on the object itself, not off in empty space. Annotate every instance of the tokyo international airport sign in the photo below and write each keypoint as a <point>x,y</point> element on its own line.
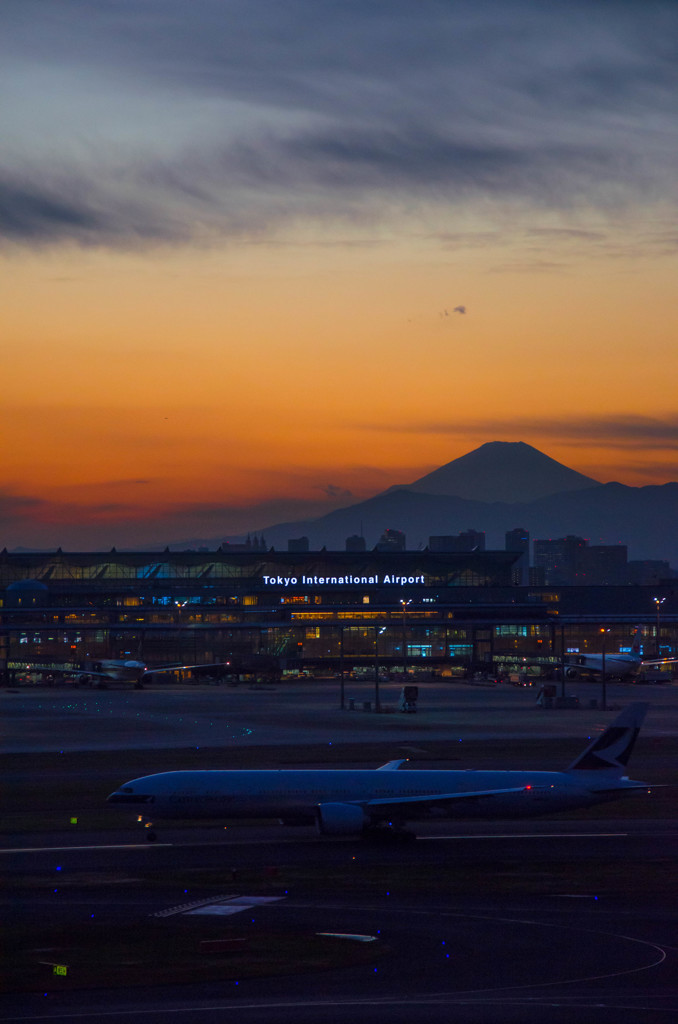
<point>341,581</point>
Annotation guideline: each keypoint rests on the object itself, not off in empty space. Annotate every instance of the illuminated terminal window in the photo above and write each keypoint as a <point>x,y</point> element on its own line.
<point>363,615</point>
<point>250,599</point>
<point>315,616</point>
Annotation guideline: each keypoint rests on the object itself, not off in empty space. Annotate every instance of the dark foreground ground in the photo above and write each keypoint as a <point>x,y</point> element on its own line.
<point>568,919</point>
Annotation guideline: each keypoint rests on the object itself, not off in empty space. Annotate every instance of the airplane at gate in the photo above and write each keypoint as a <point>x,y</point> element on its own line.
<point>346,802</point>
<point>615,664</point>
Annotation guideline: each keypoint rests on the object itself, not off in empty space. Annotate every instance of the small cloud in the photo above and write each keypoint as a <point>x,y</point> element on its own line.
<point>459,309</point>
<point>333,492</point>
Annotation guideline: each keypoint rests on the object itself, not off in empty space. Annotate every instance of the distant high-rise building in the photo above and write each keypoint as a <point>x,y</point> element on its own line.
<point>469,540</point>
<point>648,572</point>
<point>298,544</point>
<point>391,540</point>
<point>602,565</point>
<point>536,577</point>
<point>570,561</point>
<point>558,558</point>
<point>355,543</point>
<point>519,540</point>
<point>251,544</point>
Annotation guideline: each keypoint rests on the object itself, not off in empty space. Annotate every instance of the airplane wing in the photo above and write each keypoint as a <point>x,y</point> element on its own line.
<point>181,668</point>
<point>385,803</point>
<point>628,785</point>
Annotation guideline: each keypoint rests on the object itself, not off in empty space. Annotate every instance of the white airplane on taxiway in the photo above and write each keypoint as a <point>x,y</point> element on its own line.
<point>344,802</point>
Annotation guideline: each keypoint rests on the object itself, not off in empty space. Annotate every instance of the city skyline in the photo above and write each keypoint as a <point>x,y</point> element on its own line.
<point>259,264</point>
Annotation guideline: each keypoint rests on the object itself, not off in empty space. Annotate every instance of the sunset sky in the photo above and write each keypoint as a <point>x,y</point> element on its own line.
<point>261,259</point>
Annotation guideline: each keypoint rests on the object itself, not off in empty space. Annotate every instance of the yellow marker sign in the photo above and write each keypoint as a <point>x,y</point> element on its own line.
<point>61,969</point>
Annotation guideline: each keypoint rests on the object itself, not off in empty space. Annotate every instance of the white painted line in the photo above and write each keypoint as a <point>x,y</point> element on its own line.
<point>353,938</point>
<point>222,906</point>
<point>532,835</point>
<point>184,908</point>
<point>218,910</point>
<point>254,901</point>
<point>66,849</point>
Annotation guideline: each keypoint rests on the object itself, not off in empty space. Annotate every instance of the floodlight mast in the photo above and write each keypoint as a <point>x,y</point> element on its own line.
<point>603,636</point>
<point>405,604</point>
<point>658,601</point>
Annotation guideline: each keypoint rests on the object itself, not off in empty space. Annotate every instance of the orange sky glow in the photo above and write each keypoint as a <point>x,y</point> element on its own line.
<point>210,377</point>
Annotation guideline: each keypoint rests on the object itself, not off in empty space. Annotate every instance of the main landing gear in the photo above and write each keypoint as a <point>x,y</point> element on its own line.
<point>388,833</point>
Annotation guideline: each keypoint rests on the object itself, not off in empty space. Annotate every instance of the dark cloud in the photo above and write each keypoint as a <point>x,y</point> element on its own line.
<point>32,213</point>
<point>17,504</point>
<point>652,470</point>
<point>52,524</point>
<point>620,431</point>
<point>169,122</point>
<point>17,512</point>
<point>335,493</point>
<point>565,234</point>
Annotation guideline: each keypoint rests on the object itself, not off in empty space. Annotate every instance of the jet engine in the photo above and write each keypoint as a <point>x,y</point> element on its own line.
<point>340,820</point>
<point>571,673</point>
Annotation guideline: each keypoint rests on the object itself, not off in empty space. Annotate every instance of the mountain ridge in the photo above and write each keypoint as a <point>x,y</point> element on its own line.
<point>500,471</point>
<point>642,518</point>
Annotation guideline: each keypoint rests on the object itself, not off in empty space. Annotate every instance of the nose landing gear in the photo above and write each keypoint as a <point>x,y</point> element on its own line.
<point>151,834</point>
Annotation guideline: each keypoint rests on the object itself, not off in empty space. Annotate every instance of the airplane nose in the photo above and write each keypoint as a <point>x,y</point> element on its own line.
<point>122,797</point>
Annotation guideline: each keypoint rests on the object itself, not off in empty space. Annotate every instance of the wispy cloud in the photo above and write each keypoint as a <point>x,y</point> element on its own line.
<point>169,123</point>
<point>622,431</point>
<point>335,493</point>
<point>98,526</point>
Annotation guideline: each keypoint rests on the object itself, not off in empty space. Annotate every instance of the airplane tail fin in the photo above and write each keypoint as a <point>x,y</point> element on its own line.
<point>611,751</point>
<point>637,640</point>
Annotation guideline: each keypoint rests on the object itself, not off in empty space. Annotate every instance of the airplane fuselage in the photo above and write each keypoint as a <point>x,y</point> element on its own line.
<point>295,795</point>
<point>620,666</point>
<point>354,801</point>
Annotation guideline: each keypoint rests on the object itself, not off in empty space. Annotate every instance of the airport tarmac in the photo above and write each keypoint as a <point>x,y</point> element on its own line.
<point>473,957</point>
<point>298,712</point>
<point>525,956</point>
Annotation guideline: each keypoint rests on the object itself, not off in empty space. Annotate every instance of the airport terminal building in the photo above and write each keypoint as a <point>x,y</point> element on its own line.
<point>447,612</point>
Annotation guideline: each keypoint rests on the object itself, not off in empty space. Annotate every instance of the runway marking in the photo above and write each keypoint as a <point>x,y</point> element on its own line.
<point>344,935</point>
<point>661,950</point>
<point>594,1003</point>
<point>236,905</point>
<point>183,908</point>
<point>536,835</point>
<point>218,905</point>
<point>285,839</point>
<point>66,849</point>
